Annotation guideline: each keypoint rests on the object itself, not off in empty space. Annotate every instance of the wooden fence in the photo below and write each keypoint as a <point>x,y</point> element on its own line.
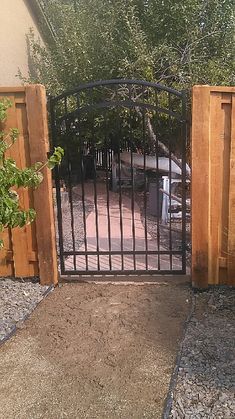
<point>31,250</point>
<point>213,186</point>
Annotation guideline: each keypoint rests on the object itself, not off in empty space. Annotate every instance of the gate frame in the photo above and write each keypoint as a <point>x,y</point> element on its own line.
<point>128,104</point>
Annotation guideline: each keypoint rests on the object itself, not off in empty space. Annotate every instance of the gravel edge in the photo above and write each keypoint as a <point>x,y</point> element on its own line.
<point>174,377</point>
<point>16,326</point>
<point>206,353</point>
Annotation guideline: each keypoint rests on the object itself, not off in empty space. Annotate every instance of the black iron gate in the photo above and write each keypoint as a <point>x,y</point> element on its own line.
<point>121,191</point>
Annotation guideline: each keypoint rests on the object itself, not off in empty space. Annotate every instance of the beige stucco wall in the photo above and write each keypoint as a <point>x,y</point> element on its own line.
<point>15,22</point>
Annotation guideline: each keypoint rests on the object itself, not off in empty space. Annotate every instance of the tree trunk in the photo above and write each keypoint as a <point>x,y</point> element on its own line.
<point>162,146</point>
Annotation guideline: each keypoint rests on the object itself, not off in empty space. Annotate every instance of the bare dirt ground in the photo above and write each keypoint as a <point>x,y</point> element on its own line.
<point>96,352</point>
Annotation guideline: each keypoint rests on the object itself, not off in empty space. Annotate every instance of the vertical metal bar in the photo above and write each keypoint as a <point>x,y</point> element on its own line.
<point>69,167</point>
<point>58,195</point>
<point>120,184</point>
<point>170,179</point>
<point>95,184</point>
<point>84,209</point>
<point>82,180</point>
<point>107,190</point>
<point>132,185</point>
<point>84,206</point>
<point>158,186</point>
<point>145,195</point>
<point>120,202</point>
<point>165,200</point>
<point>110,158</point>
<point>184,143</point>
<point>59,219</point>
<point>71,209</point>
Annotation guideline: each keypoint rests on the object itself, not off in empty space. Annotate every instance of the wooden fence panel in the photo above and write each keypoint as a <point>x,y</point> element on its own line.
<point>213,186</point>
<point>30,251</point>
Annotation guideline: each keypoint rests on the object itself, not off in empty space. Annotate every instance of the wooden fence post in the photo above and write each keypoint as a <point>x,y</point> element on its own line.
<point>199,185</point>
<point>43,196</point>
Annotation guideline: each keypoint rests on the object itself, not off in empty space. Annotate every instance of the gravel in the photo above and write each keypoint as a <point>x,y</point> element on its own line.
<point>17,300</point>
<point>206,376</point>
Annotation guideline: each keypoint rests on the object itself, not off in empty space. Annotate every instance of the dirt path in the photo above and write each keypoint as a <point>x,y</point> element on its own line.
<point>95,352</point>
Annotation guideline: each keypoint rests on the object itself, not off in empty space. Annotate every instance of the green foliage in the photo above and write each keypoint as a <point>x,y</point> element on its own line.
<point>175,43</point>
<point>5,103</point>
<point>178,44</point>
<point>11,177</point>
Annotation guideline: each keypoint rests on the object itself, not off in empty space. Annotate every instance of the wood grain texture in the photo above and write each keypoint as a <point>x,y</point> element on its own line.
<point>22,267</point>
<point>25,160</point>
<point>29,251</point>
<point>213,186</point>
<point>200,185</point>
<point>43,198</point>
<point>216,153</point>
<point>226,103</point>
<point>6,267</point>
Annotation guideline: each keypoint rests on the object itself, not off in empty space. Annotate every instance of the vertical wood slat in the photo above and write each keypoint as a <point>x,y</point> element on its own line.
<point>231,221</point>
<point>43,198</point>
<point>199,185</point>
<point>216,150</point>
<point>24,161</point>
<point>6,268</point>
<point>226,139</point>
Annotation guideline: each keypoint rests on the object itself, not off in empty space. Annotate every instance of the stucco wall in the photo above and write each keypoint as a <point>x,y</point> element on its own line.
<point>15,22</point>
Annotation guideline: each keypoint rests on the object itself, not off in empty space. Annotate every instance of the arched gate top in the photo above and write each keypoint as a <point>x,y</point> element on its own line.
<point>98,83</point>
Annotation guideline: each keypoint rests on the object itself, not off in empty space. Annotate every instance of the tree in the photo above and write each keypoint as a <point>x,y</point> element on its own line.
<point>176,43</point>
<point>11,177</point>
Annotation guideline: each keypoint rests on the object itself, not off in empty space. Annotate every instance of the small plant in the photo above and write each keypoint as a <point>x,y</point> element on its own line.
<point>11,177</point>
